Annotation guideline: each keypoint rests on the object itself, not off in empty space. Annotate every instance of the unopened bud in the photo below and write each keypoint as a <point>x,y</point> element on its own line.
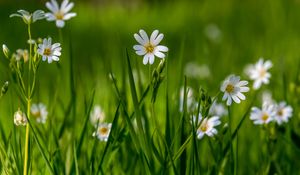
<point>161,66</point>
<point>5,51</point>
<point>4,88</point>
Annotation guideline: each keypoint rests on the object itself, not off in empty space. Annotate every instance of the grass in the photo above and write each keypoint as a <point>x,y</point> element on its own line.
<point>99,66</point>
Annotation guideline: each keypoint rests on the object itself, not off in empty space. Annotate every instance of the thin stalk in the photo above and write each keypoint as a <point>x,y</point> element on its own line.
<point>231,147</point>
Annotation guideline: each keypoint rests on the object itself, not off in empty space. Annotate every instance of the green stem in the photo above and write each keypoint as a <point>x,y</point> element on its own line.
<point>231,140</point>
<point>25,170</point>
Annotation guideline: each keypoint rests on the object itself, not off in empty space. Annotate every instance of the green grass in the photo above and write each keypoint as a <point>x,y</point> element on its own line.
<point>99,66</point>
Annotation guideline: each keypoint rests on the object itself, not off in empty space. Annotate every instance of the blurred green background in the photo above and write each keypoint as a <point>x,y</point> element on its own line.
<point>225,35</point>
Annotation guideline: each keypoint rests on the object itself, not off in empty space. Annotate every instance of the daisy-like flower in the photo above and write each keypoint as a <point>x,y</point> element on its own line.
<point>264,115</point>
<point>207,127</point>
<point>233,89</point>
<point>259,73</point>
<point>149,47</point>
<point>283,113</point>
<point>39,112</point>
<point>59,14</point>
<point>97,115</point>
<point>49,51</point>
<point>20,118</point>
<point>102,131</point>
<point>29,18</point>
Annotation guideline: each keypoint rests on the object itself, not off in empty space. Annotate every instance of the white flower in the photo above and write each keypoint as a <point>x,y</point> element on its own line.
<point>218,109</point>
<point>233,88</point>
<point>189,99</point>
<point>207,127</point>
<point>20,118</point>
<point>264,115</point>
<point>102,132</point>
<point>20,53</point>
<point>39,111</point>
<point>97,115</point>
<point>259,73</point>
<point>59,14</point>
<point>49,51</point>
<point>195,70</point>
<point>283,113</point>
<point>149,47</point>
<point>213,33</point>
<point>29,18</point>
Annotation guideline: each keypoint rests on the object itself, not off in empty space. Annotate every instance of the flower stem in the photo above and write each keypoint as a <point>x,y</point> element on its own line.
<point>231,140</point>
<point>25,168</point>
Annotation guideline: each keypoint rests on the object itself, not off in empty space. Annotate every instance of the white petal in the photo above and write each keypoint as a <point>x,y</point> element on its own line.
<point>151,59</point>
<point>60,23</point>
<point>67,8</point>
<point>146,59</point>
<point>158,39</point>
<point>244,89</point>
<point>68,16</point>
<point>229,101</point>
<point>49,60</point>
<point>153,36</point>
<point>53,7</point>
<point>159,54</point>
<point>144,36</point>
<point>241,96</point>
<point>50,17</point>
<point>236,99</point>
<point>162,48</point>
<point>139,39</point>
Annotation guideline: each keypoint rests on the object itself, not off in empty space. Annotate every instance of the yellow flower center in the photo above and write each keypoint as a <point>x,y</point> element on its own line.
<point>103,130</point>
<point>37,114</point>
<point>149,48</point>
<point>265,117</point>
<point>280,113</point>
<point>203,128</point>
<point>229,88</point>
<point>262,72</point>
<point>47,51</point>
<point>59,15</point>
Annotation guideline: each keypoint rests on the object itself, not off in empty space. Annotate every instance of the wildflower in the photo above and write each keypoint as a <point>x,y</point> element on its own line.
<point>29,18</point>
<point>20,118</point>
<point>233,89</point>
<point>264,115</point>
<point>195,70</point>
<point>21,53</point>
<point>59,14</point>
<point>49,51</point>
<point>39,111</point>
<point>97,115</point>
<point>103,131</point>
<point>259,73</point>
<point>149,48</point>
<point>5,51</point>
<point>207,127</point>
<point>218,109</point>
<point>283,113</point>
<point>213,33</point>
<point>189,98</point>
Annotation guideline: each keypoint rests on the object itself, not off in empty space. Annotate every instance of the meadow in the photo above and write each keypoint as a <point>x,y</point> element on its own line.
<point>106,112</point>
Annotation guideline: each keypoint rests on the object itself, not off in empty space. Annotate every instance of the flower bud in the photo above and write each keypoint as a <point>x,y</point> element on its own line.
<point>20,118</point>
<point>5,51</point>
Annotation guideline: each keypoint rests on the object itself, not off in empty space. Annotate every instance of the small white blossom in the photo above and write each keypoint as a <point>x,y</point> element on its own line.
<point>20,118</point>
<point>97,115</point>
<point>59,14</point>
<point>218,109</point>
<point>49,51</point>
<point>264,115</point>
<point>207,127</point>
<point>29,18</point>
<point>39,112</point>
<point>282,113</point>
<point>103,131</point>
<point>259,73</point>
<point>149,47</point>
<point>213,32</point>
<point>233,89</point>
<point>195,70</point>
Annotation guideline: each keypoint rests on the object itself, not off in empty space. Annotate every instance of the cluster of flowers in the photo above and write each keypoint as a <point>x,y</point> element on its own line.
<point>97,118</point>
<point>232,87</point>
<point>38,111</point>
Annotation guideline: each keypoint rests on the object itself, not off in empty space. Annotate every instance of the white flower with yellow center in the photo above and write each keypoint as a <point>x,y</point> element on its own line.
<point>259,73</point>
<point>49,51</point>
<point>207,127</point>
<point>97,115</point>
<point>20,118</point>
<point>59,14</point>
<point>103,131</point>
<point>283,113</point>
<point>264,115</point>
<point>39,112</point>
<point>149,47</point>
<point>233,89</point>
